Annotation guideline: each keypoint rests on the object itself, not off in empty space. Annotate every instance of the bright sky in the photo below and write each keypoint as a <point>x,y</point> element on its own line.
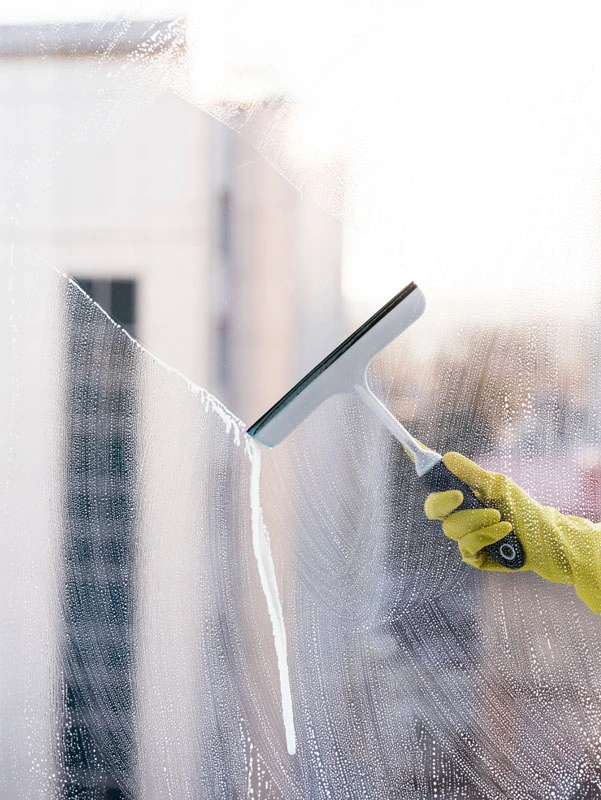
<point>471,132</point>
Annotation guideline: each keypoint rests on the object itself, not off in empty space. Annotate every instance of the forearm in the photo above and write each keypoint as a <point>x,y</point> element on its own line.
<point>582,543</point>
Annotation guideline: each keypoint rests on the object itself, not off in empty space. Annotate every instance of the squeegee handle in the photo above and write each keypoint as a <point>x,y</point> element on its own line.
<point>508,551</point>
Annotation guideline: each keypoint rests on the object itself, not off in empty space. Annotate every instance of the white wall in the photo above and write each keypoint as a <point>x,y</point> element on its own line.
<point>135,205</point>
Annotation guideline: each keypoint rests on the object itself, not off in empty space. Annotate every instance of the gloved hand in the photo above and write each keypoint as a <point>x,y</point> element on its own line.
<point>558,547</point>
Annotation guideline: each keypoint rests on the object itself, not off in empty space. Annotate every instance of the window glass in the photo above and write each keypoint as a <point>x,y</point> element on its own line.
<point>195,209</point>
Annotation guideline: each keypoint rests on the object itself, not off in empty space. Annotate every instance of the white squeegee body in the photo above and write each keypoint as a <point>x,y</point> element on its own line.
<point>345,371</point>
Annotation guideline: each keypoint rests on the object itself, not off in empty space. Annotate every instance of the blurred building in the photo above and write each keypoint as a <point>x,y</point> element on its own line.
<point>179,230</point>
<point>110,179</point>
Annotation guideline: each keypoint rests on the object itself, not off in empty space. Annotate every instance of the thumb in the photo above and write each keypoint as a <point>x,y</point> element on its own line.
<point>485,485</point>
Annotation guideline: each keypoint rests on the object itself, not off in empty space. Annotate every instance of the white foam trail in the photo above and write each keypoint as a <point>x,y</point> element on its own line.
<point>262,551</point>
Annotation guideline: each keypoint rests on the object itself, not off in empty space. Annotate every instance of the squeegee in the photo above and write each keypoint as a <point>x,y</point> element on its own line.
<point>344,370</point>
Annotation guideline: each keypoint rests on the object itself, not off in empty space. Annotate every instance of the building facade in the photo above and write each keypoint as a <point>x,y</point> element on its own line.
<point>189,240</point>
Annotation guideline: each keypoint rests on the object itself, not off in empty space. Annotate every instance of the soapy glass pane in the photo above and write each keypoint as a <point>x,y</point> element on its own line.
<point>143,652</point>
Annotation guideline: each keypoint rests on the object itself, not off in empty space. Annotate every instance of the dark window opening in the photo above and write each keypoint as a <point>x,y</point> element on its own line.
<point>117,297</point>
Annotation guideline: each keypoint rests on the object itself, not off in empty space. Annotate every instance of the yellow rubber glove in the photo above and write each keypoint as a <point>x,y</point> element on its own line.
<point>558,547</point>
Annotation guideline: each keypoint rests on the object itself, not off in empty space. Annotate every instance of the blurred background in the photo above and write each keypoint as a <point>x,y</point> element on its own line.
<point>239,190</point>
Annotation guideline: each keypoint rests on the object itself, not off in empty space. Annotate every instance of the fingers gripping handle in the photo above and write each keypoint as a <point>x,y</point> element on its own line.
<point>508,551</point>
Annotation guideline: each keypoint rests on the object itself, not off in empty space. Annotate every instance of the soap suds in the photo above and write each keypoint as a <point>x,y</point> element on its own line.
<point>262,551</point>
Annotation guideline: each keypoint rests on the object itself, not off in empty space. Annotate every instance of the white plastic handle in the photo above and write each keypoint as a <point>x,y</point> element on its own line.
<point>424,459</point>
